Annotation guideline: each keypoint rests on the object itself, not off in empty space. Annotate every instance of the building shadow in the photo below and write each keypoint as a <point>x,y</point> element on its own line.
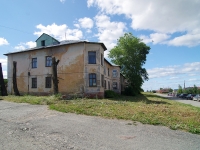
<point>142,98</point>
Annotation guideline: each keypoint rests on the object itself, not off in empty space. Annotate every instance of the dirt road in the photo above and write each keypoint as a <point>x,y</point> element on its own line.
<point>34,127</point>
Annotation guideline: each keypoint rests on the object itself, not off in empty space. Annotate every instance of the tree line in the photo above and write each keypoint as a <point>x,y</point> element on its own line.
<point>191,90</point>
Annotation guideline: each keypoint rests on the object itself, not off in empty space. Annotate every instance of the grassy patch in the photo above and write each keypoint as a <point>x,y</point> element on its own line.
<point>35,100</point>
<point>146,108</point>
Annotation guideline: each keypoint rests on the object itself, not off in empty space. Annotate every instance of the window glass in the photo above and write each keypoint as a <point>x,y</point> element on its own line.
<point>43,43</point>
<point>34,82</point>
<point>92,79</point>
<point>48,82</point>
<point>114,73</point>
<point>115,85</point>
<point>34,62</point>
<point>92,57</point>
<point>48,61</point>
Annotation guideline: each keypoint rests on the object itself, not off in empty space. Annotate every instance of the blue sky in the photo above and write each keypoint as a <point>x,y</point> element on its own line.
<point>170,28</point>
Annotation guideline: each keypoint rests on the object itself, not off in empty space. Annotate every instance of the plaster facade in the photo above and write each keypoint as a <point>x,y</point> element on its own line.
<point>74,69</point>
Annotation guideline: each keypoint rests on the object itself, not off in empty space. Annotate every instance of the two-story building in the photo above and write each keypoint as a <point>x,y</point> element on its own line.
<point>82,68</point>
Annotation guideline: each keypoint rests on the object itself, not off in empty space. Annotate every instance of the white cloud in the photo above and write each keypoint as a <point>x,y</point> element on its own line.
<point>19,47</point>
<point>62,1</point>
<point>90,3</point>
<point>192,79</point>
<point>108,31</point>
<point>192,74</point>
<point>85,23</point>
<point>59,32</point>
<point>30,44</point>
<point>173,78</point>
<point>155,38</point>
<point>186,40</point>
<point>3,41</point>
<point>159,17</point>
<point>5,74</point>
<point>173,71</point>
<point>3,61</point>
<point>23,46</point>
<point>77,25</point>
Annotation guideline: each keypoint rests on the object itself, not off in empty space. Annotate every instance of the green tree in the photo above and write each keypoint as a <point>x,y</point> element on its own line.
<point>198,91</point>
<point>180,90</point>
<point>170,90</point>
<point>195,89</point>
<point>130,53</point>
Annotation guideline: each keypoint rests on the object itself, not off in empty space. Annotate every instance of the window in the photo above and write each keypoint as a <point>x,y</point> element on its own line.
<point>43,43</point>
<point>108,72</point>
<point>105,84</point>
<point>92,79</point>
<point>109,85</point>
<point>115,85</point>
<point>48,61</point>
<point>48,82</point>
<point>102,59</point>
<point>34,62</point>
<point>92,57</point>
<point>102,80</point>
<point>114,73</point>
<point>105,70</point>
<point>34,82</point>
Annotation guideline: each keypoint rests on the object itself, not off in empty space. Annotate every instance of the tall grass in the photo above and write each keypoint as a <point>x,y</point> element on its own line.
<point>146,108</point>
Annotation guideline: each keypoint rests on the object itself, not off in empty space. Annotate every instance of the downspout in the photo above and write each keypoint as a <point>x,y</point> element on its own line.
<point>28,81</point>
<point>84,71</point>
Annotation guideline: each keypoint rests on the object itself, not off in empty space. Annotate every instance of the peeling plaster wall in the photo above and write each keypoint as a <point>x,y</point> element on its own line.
<point>94,68</point>
<point>73,70</point>
<point>110,77</point>
<point>116,79</point>
<point>70,70</point>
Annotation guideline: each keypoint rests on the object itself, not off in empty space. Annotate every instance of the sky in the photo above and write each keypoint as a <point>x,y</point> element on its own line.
<point>171,28</point>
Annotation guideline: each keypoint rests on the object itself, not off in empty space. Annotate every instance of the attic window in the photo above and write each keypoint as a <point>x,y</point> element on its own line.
<point>43,43</point>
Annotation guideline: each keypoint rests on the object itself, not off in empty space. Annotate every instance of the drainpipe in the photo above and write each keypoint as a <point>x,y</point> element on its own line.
<point>28,81</point>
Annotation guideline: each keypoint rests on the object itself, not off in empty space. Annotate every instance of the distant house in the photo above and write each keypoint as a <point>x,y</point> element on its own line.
<point>82,69</point>
<point>164,90</point>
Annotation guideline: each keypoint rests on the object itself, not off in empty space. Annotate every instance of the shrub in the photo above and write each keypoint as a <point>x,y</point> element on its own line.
<point>110,94</point>
<point>129,91</point>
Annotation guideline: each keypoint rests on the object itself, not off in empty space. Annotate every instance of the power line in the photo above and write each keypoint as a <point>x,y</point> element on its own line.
<point>15,29</point>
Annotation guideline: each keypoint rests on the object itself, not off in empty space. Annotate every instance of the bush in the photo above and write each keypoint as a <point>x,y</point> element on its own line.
<point>129,91</point>
<point>110,94</point>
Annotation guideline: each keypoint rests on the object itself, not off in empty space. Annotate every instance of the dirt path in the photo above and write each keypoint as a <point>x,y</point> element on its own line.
<point>34,127</point>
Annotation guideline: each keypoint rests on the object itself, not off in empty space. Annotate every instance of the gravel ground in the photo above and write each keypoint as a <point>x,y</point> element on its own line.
<point>34,127</point>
